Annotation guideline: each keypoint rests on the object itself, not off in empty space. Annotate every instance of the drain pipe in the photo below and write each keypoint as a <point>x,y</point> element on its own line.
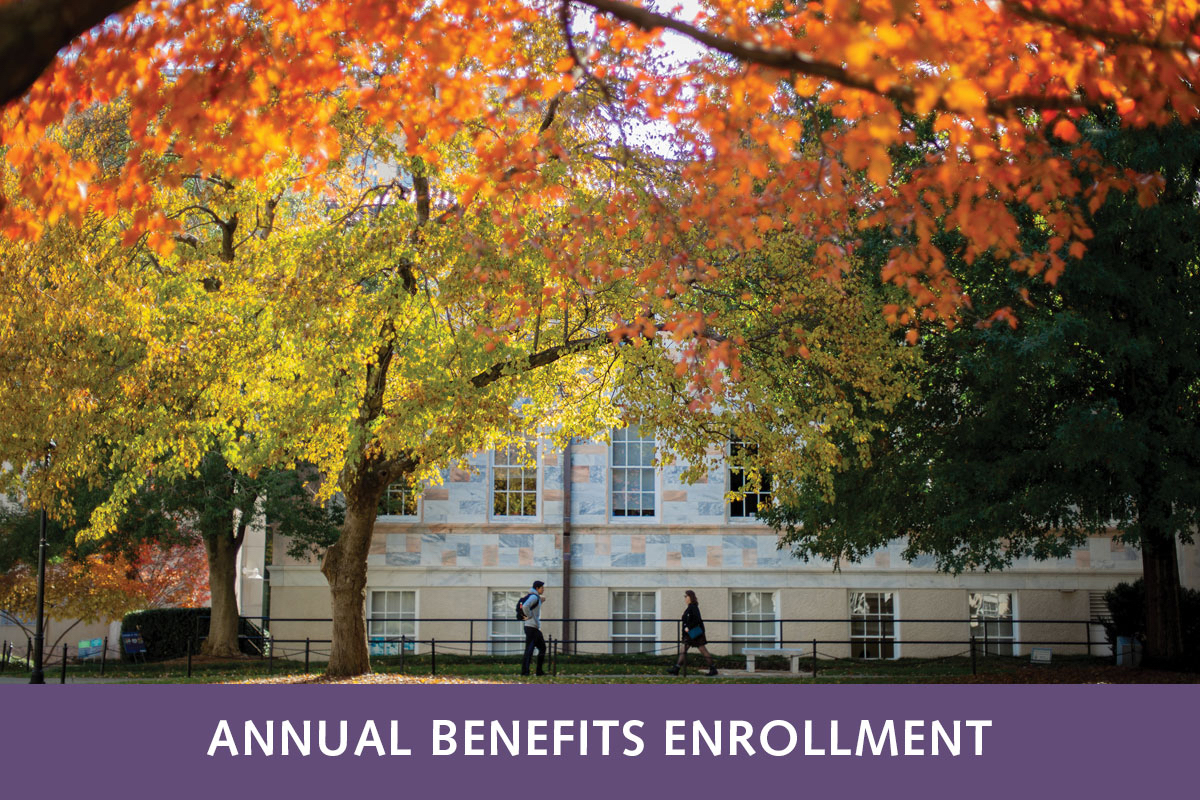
<point>568,644</point>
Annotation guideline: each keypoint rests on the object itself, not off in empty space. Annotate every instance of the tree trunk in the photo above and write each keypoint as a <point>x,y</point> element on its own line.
<point>222,638</point>
<point>1164,626</point>
<point>345,567</point>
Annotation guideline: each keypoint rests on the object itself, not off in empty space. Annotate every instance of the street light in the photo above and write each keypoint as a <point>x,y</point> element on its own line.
<point>36,675</point>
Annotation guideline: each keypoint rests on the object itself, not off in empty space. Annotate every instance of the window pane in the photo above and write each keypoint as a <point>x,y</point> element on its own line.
<point>872,625</point>
<point>753,616</point>
<point>992,621</point>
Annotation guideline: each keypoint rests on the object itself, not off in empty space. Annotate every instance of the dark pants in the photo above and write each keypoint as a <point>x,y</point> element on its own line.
<point>533,639</point>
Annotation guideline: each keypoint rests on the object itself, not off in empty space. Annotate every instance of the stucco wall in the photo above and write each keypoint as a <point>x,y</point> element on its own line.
<point>455,551</point>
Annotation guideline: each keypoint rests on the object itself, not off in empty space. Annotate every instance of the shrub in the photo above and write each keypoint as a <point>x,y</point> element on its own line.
<point>166,632</point>
<point>1127,605</point>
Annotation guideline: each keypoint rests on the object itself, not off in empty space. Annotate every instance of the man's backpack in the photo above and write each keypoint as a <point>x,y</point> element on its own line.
<point>521,615</point>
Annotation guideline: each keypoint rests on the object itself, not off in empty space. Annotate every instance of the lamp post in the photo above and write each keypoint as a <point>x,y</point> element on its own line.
<point>36,675</point>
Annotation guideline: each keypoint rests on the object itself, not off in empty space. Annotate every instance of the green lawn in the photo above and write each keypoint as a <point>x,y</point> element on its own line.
<point>633,669</point>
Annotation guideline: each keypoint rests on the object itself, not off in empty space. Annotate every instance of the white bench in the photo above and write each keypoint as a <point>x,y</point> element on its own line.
<point>793,654</point>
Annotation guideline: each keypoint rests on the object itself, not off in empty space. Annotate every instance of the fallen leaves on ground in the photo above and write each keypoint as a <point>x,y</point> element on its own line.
<point>1080,674</point>
<point>363,679</point>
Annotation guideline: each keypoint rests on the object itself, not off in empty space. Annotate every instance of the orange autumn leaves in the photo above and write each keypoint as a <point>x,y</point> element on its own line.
<point>98,588</point>
<point>238,90</point>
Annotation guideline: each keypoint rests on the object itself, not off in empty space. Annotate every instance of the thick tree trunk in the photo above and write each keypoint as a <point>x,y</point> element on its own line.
<point>345,567</point>
<point>222,638</point>
<point>1160,572</point>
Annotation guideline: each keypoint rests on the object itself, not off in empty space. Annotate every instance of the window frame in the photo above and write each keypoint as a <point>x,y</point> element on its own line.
<point>614,637</point>
<point>656,489</point>
<point>1013,640</point>
<point>730,467</point>
<point>503,519</point>
<point>492,638</point>
<point>416,618</point>
<point>737,641</point>
<point>895,621</point>
<point>403,518</point>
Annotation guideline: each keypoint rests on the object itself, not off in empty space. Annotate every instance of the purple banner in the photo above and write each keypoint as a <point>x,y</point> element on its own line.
<point>731,740</point>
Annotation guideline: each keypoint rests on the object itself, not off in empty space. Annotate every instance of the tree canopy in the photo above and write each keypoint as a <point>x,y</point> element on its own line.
<point>231,89</point>
<point>1081,419</point>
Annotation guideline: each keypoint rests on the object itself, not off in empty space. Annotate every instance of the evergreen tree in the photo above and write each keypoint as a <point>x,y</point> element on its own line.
<point>1079,416</point>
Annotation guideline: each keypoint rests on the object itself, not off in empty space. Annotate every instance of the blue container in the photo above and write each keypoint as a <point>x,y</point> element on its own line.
<point>1129,652</point>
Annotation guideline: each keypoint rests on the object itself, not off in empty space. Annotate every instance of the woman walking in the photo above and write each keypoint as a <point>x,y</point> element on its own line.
<point>693,633</point>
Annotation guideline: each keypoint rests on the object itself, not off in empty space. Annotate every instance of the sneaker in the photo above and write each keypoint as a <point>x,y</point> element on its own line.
<point>673,670</point>
<point>712,671</point>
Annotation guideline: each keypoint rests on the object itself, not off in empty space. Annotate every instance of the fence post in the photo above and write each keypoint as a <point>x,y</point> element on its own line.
<point>189,654</point>
<point>271,662</point>
<point>307,641</point>
<point>471,644</point>
<point>433,656</point>
<point>973,669</point>
<point>63,679</point>
<point>103,656</point>
<point>4,656</point>
<point>29,652</point>
<point>814,659</point>
<point>403,647</point>
<point>554,661</point>
<point>1087,632</point>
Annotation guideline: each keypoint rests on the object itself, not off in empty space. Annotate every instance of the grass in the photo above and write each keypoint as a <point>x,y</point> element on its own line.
<point>602,669</point>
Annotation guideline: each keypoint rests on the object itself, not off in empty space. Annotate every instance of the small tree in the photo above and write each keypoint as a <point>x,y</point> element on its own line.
<point>92,589</point>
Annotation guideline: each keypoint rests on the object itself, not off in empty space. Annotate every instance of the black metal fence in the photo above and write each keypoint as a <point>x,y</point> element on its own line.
<point>789,633</point>
<point>793,633</point>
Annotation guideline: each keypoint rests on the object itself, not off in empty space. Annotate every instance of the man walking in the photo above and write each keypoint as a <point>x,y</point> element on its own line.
<point>531,609</point>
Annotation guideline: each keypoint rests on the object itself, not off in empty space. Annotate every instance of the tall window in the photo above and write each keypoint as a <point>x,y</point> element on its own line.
<point>872,625</point>
<point>754,618</point>
<point>391,615</point>
<point>755,493</point>
<point>632,473</point>
<point>992,621</point>
<point>514,481</point>
<point>506,634</point>
<point>634,623</point>
<point>399,500</point>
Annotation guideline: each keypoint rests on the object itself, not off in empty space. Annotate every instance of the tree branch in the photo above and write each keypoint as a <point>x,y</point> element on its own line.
<point>1085,31</point>
<point>33,31</point>
<point>801,63</point>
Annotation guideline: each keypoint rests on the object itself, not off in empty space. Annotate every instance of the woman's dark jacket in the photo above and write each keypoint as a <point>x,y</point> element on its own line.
<point>692,619</point>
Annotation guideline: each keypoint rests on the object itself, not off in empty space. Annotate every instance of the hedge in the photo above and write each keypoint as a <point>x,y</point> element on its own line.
<point>166,632</point>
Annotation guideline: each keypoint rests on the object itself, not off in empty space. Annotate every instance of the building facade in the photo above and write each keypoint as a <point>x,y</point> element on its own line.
<point>449,565</point>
